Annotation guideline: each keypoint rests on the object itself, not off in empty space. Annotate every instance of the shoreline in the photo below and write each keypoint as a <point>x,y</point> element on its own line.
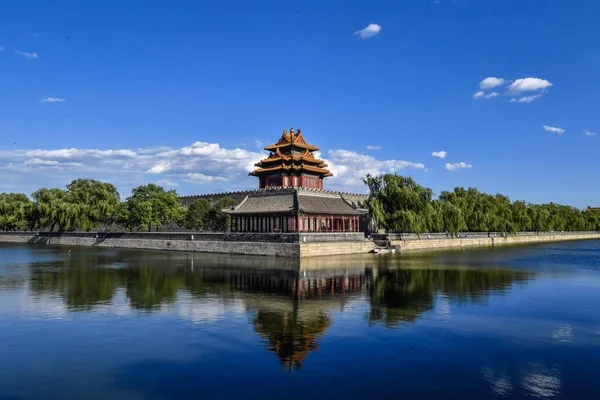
<point>283,245</point>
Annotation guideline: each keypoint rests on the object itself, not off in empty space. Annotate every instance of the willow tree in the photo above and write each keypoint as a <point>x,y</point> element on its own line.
<point>14,209</point>
<point>99,202</point>
<point>399,204</point>
<point>55,209</point>
<point>452,218</point>
<point>85,204</point>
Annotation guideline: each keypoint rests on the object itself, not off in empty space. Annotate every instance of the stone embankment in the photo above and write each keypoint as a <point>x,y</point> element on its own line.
<point>433,242</point>
<point>263,244</point>
<point>285,245</point>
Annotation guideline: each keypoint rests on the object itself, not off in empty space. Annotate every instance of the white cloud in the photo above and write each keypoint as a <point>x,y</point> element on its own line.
<point>483,95</point>
<point>52,100</point>
<point>439,154</point>
<point>370,147</point>
<point>160,168</point>
<point>166,182</point>
<point>73,153</point>
<point>491,82</point>
<point>456,166</point>
<point>349,168</point>
<point>554,129</point>
<point>589,133</point>
<point>526,99</point>
<point>199,163</point>
<point>27,55</point>
<point>196,177</point>
<point>369,31</point>
<point>514,89</point>
<point>528,85</point>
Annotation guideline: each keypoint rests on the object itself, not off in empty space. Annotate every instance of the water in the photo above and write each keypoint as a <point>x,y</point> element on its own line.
<point>111,324</point>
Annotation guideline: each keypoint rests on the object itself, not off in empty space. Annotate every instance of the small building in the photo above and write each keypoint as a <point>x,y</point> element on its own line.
<point>291,196</point>
<point>291,163</point>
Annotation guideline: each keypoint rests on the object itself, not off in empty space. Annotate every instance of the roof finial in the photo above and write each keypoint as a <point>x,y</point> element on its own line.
<point>285,131</point>
<point>299,131</point>
<point>292,129</point>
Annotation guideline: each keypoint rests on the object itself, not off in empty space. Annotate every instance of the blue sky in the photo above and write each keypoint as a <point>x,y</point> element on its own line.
<point>184,94</point>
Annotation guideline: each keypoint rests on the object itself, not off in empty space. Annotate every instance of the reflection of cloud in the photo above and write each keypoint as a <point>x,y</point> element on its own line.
<point>208,310</point>
<point>443,309</point>
<point>34,306</point>
<point>119,305</point>
<point>499,383</point>
<point>542,382</point>
<point>564,333</point>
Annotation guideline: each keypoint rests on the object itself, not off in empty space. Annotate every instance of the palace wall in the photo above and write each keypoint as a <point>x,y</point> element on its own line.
<point>281,245</point>
<point>439,243</point>
<point>264,244</point>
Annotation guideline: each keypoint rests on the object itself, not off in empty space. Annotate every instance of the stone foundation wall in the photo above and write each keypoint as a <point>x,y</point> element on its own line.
<point>281,245</point>
<point>330,237</point>
<point>335,248</point>
<point>223,247</point>
<point>425,244</point>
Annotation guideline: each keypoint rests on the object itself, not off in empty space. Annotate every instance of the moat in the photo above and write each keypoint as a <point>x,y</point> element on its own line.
<point>125,324</point>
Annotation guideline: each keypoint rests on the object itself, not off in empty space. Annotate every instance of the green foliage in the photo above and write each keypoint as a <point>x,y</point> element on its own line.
<point>99,202</point>
<point>15,209</point>
<point>195,215</point>
<point>89,204</point>
<point>399,204</point>
<point>85,204</point>
<point>216,219</point>
<point>150,206</point>
<point>55,210</point>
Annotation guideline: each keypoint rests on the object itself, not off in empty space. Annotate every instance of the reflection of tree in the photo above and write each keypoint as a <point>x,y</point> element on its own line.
<point>150,287</point>
<point>83,284</point>
<point>402,295</point>
<point>291,334</point>
<point>395,298</point>
<point>79,286</point>
<point>291,309</point>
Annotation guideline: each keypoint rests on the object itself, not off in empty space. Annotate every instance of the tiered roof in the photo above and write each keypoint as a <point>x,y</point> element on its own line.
<point>294,201</point>
<point>291,153</point>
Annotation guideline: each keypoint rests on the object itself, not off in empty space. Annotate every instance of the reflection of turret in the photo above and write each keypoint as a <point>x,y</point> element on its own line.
<point>300,297</point>
<point>291,334</point>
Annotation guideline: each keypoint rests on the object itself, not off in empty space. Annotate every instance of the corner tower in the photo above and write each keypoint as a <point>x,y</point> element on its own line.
<point>291,163</point>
